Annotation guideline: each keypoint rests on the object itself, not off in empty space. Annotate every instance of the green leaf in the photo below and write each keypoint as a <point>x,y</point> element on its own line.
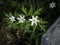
<point>37,40</point>
<point>42,27</point>
<point>10,14</point>
<point>32,36</point>
<point>28,31</point>
<point>34,28</point>
<point>42,21</point>
<point>6,14</point>
<point>27,26</point>
<point>24,10</point>
<point>37,11</point>
<point>30,11</point>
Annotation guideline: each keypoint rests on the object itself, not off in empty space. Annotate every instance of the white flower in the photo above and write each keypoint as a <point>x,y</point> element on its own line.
<point>52,5</point>
<point>21,19</point>
<point>34,20</point>
<point>12,18</point>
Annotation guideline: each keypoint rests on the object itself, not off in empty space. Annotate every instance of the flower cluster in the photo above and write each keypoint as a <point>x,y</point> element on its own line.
<point>21,19</point>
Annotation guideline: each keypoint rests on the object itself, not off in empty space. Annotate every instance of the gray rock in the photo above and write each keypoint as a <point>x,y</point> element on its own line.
<point>52,36</point>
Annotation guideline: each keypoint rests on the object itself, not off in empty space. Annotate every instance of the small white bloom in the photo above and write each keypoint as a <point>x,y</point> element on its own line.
<point>21,19</point>
<point>34,20</point>
<point>12,18</point>
<point>52,5</point>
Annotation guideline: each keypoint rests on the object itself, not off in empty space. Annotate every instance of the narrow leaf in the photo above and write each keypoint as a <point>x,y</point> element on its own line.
<point>24,10</point>
<point>37,11</point>
<point>6,14</point>
<point>30,11</point>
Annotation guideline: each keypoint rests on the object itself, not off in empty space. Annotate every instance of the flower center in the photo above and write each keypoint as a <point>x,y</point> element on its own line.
<point>34,20</point>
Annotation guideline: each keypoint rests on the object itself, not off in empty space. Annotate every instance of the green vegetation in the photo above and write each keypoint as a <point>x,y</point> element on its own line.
<point>15,26</point>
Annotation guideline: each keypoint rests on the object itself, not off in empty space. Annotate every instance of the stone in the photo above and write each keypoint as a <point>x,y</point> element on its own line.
<point>52,36</point>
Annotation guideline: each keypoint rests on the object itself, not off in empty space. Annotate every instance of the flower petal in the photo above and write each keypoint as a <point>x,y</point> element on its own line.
<point>36,23</point>
<point>36,17</point>
<point>21,19</point>
<point>12,18</point>
<point>32,23</point>
<point>18,18</point>
<point>30,19</point>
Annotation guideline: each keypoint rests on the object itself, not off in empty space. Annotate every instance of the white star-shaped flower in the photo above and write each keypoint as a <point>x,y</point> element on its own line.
<point>21,19</point>
<point>52,5</point>
<point>12,18</point>
<point>34,20</point>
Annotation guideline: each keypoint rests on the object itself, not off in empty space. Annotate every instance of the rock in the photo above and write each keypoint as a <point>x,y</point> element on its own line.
<point>52,36</point>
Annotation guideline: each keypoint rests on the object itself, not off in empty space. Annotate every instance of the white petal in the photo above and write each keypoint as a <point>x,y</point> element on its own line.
<point>23,16</point>
<point>53,3</point>
<point>21,19</point>
<point>12,17</point>
<point>18,18</point>
<point>30,19</point>
<point>36,17</point>
<point>32,23</point>
<point>24,19</point>
<point>36,23</point>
